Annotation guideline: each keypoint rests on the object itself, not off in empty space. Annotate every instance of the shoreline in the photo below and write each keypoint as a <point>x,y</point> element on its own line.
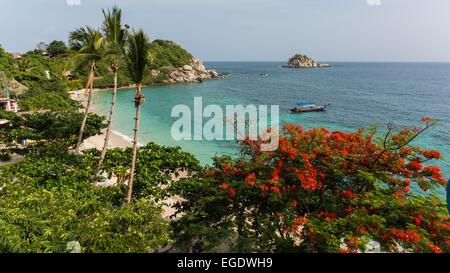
<point>117,139</point>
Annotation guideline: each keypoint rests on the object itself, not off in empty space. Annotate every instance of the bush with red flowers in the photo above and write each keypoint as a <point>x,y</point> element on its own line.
<point>321,191</point>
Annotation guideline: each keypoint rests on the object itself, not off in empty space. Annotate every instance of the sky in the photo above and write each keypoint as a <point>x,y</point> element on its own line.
<point>252,30</point>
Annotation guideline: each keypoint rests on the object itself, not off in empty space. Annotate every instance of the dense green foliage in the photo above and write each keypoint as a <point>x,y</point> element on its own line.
<point>57,48</point>
<point>168,54</point>
<point>47,126</point>
<point>5,61</point>
<point>48,200</point>
<point>47,87</point>
<point>53,101</point>
<point>53,202</point>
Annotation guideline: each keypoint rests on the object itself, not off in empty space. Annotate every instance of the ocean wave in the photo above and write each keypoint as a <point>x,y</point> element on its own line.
<point>126,138</point>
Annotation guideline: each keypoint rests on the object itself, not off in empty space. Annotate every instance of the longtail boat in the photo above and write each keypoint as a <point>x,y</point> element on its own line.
<point>303,107</point>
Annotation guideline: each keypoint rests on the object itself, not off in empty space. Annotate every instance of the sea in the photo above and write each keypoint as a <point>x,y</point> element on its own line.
<point>361,95</point>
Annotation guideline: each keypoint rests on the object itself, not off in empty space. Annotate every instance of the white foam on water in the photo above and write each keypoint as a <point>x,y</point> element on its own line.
<point>126,138</point>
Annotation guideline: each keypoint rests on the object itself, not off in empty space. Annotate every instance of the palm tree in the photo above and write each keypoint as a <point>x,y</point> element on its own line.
<point>136,55</point>
<point>89,44</point>
<point>115,40</point>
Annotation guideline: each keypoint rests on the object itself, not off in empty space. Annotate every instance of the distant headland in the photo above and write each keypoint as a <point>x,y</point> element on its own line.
<point>303,61</point>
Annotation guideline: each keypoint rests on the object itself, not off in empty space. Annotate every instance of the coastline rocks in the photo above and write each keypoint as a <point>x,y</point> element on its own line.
<point>193,72</point>
<point>155,72</point>
<point>303,61</point>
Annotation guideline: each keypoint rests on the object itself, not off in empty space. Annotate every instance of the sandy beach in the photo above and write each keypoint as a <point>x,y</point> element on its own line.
<point>116,140</point>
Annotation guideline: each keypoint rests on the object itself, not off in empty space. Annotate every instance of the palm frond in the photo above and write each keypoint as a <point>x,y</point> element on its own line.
<point>113,31</point>
<point>136,54</point>
<point>89,44</point>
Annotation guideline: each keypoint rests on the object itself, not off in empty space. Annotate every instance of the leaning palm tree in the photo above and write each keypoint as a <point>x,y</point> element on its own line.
<point>137,58</point>
<point>115,36</point>
<point>89,46</point>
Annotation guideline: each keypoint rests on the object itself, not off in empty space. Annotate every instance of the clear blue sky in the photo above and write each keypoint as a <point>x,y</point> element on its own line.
<point>252,30</point>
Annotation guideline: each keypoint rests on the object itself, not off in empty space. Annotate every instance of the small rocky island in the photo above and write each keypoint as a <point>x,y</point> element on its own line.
<point>303,61</point>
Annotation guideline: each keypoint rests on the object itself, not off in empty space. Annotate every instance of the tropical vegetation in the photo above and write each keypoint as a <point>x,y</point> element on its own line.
<point>321,191</point>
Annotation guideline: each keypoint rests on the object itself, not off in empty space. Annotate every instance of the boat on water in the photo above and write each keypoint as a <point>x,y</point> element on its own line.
<point>303,107</point>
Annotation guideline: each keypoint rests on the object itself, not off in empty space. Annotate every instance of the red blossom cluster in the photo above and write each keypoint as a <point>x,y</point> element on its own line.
<point>404,235</point>
<point>322,175</point>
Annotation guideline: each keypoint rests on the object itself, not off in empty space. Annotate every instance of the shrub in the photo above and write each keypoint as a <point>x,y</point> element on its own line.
<point>5,156</point>
<point>321,191</point>
<point>167,53</point>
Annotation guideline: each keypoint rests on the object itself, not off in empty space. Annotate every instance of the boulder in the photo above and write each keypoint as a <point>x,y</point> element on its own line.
<point>193,72</point>
<point>16,87</point>
<point>155,72</point>
<point>213,73</point>
<point>73,247</point>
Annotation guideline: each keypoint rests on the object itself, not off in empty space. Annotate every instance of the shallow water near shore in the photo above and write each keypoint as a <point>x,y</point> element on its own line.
<point>361,95</point>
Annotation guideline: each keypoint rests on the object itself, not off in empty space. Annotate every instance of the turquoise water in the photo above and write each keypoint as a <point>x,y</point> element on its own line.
<point>361,95</point>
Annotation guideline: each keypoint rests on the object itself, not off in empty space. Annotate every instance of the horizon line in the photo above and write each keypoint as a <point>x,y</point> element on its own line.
<point>341,61</point>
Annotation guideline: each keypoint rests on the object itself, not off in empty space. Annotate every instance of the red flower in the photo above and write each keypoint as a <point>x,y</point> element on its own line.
<point>348,194</point>
<point>298,222</point>
<point>415,165</point>
<point>327,215</point>
<point>275,189</point>
<point>251,179</point>
<point>361,230</point>
<point>418,220</point>
<point>434,248</point>
<point>426,119</point>
<point>407,235</point>
<point>236,170</point>
<point>224,186</point>
<point>431,154</point>
<point>293,204</point>
<point>231,192</point>
<point>276,174</point>
<point>433,171</point>
<point>348,211</point>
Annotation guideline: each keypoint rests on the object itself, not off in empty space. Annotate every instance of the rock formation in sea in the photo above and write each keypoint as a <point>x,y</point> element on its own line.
<point>195,71</point>
<point>303,61</point>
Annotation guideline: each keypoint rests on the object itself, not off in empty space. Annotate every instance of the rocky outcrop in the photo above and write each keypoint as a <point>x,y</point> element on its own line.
<point>16,88</point>
<point>303,61</point>
<point>192,72</point>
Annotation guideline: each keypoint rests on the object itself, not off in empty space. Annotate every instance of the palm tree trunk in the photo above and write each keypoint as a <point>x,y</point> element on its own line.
<point>86,111</point>
<point>138,100</point>
<point>108,129</point>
